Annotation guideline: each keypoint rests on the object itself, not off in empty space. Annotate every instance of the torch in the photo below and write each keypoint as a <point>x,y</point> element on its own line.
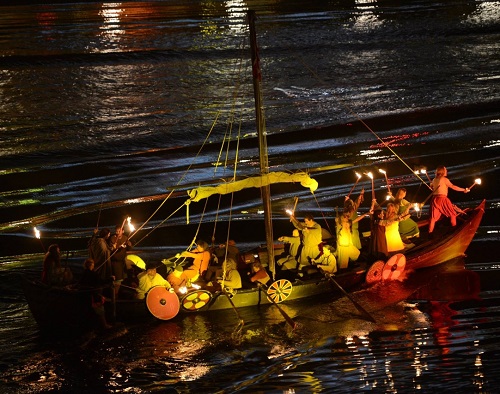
<point>386,180</point>
<point>290,211</point>
<point>424,171</point>
<point>123,224</point>
<point>477,181</point>
<point>131,227</point>
<point>357,180</point>
<point>37,235</point>
<point>370,175</point>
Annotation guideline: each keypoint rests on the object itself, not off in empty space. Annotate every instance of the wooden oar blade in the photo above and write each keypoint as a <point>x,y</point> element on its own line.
<point>356,304</point>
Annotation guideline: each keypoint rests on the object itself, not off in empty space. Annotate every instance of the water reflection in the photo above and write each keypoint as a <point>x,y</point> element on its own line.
<point>111,27</point>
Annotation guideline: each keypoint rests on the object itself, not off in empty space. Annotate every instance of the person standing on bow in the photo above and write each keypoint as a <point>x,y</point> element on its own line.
<point>311,238</point>
<point>441,204</point>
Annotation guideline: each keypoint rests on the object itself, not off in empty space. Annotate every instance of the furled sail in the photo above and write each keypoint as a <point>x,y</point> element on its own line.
<point>203,192</point>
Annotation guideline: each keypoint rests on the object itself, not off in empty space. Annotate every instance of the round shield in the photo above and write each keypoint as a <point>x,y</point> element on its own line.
<point>394,267</point>
<point>162,304</point>
<point>279,290</point>
<point>195,300</point>
<point>374,274</point>
<point>137,261</point>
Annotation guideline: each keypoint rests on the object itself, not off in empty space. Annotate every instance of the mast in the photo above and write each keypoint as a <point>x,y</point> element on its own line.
<point>261,132</point>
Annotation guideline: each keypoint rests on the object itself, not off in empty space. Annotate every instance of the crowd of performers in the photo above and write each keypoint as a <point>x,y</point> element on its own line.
<point>310,248</point>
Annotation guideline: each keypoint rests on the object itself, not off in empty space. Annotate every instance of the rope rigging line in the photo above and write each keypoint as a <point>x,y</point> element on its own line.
<point>177,184</point>
<point>227,137</point>
<point>322,213</point>
<point>356,115</point>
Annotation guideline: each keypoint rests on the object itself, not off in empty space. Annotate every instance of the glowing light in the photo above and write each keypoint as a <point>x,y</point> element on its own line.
<point>477,181</point>
<point>130,225</point>
<point>37,233</point>
<point>289,211</point>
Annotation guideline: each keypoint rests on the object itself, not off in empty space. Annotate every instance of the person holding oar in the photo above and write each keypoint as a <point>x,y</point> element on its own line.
<point>327,261</point>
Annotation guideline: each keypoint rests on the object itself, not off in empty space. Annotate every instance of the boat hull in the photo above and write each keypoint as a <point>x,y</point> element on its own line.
<point>55,309</point>
<point>62,311</point>
<point>446,247</point>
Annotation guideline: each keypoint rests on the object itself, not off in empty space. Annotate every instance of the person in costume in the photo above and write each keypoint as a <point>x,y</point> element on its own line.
<point>311,238</point>
<point>231,278</point>
<point>289,261</point>
<point>51,265</point>
<point>259,274</point>
<point>351,208</point>
<point>327,261</point>
<point>346,251</point>
<point>408,228</point>
<point>100,252</point>
<point>201,258</point>
<point>119,244</point>
<point>391,223</point>
<point>149,279</point>
<point>441,204</point>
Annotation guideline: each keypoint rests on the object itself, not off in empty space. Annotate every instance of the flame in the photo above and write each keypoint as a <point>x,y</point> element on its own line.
<point>289,211</point>
<point>358,175</point>
<point>37,233</point>
<point>370,175</point>
<point>477,181</point>
<point>382,171</point>
<point>130,225</point>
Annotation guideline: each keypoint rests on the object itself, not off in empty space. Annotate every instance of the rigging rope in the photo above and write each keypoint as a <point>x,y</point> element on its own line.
<point>355,114</point>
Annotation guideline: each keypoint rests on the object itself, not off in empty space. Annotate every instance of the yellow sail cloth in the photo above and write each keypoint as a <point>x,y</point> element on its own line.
<point>257,181</point>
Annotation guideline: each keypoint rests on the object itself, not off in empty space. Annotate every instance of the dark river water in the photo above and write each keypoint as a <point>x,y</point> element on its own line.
<point>107,108</point>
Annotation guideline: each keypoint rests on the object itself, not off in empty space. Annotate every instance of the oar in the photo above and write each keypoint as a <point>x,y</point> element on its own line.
<point>242,322</point>
<point>359,307</point>
<point>288,319</point>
